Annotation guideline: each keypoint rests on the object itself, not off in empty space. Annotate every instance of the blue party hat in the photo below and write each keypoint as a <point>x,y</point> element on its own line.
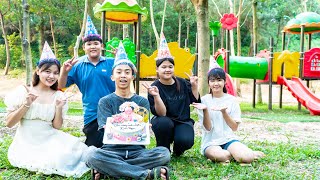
<point>122,58</point>
<point>47,55</point>
<point>91,32</point>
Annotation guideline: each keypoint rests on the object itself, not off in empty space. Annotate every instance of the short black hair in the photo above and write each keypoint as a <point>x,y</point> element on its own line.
<point>160,61</point>
<point>94,37</point>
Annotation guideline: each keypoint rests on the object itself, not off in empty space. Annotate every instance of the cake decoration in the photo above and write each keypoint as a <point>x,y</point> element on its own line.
<point>130,126</point>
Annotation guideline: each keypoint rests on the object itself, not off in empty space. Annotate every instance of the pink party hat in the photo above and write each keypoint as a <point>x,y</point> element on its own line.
<point>213,63</point>
<point>47,52</point>
<point>122,58</point>
<point>163,52</point>
<point>47,55</point>
<point>91,31</point>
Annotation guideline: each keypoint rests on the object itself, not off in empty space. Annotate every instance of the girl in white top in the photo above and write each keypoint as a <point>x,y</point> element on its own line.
<point>220,115</point>
<point>39,111</point>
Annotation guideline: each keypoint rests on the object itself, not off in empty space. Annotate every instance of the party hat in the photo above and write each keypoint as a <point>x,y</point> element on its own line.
<point>47,55</point>
<point>213,63</point>
<point>47,52</point>
<point>91,32</point>
<point>122,58</point>
<point>163,52</point>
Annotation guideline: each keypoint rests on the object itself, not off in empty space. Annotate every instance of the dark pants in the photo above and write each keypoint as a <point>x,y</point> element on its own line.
<point>167,131</point>
<point>94,136</point>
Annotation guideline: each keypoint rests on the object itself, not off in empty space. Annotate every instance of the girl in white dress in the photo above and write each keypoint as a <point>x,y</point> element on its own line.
<point>220,115</point>
<point>38,145</point>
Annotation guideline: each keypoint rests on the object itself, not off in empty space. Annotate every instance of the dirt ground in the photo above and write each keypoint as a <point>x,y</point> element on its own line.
<point>294,132</point>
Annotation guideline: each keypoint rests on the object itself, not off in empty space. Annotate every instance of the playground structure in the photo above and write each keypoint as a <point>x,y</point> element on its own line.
<point>129,12</point>
<point>123,12</point>
<point>280,66</point>
<point>273,69</point>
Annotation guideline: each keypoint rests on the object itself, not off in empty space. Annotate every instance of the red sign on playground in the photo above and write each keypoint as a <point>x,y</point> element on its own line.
<point>311,63</point>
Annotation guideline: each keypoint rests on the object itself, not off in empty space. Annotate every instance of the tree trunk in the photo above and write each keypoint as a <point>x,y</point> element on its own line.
<point>21,37</point>
<point>154,25</point>
<point>222,34</point>
<point>53,39</point>
<point>231,32</point>
<point>237,81</point>
<point>125,31</point>
<point>150,40</point>
<point>255,42</point>
<point>76,46</point>
<point>41,35</point>
<point>4,35</point>
<point>109,32</point>
<point>238,30</point>
<point>26,41</point>
<point>202,10</point>
<point>186,41</point>
<point>179,33</point>
<point>164,15</point>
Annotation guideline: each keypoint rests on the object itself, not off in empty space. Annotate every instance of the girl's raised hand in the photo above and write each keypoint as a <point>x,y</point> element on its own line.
<point>31,97</point>
<point>193,79</point>
<point>113,50</point>
<point>61,101</point>
<point>199,106</point>
<point>67,66</point>
<point>153,90</point>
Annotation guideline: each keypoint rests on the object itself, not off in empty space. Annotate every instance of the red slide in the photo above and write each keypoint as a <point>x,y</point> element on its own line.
<point>302,94</point>
<point>229,85</point>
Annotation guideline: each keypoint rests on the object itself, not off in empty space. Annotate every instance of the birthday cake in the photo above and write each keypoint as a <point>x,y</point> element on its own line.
<point>129,126</point>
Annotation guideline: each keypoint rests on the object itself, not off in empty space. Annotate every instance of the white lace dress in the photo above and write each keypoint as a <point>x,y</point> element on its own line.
<point>37,146</point>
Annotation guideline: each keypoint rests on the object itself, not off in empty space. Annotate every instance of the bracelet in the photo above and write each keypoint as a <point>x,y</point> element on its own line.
<point>25,105</point>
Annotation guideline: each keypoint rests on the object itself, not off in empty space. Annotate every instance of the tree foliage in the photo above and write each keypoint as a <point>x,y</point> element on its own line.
<point>272,15</point>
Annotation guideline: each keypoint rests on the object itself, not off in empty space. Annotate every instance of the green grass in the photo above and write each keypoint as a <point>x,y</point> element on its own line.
<point>288,113</point>
<point>2,106</point>
<point>283,161</point>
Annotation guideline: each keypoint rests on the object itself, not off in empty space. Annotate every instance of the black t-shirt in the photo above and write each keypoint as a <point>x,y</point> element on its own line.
<point>176,102</point>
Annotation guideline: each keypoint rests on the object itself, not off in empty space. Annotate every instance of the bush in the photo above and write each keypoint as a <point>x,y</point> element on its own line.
<point>15,50</point>
<point>3,56</point>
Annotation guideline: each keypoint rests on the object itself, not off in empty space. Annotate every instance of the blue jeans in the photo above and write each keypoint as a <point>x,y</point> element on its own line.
<point>120,162</point>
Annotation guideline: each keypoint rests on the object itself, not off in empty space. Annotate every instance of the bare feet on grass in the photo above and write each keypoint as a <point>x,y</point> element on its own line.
<point>258,155</point>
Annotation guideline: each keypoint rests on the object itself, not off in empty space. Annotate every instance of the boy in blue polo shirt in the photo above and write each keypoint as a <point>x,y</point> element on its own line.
<point>91,73</point>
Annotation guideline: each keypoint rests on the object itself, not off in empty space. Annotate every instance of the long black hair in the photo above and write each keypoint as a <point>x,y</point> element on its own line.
<point>44,65</point>
<point>159,62</point>
<point>217,73</point>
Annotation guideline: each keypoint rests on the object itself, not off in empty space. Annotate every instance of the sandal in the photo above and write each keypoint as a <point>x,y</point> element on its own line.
<point>94,173</point>
<point>155,173</point>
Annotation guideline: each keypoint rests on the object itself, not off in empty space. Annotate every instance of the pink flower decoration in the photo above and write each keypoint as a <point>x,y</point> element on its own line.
<point>229,21</point>
<point>221,51</point>
<point>264,54</point>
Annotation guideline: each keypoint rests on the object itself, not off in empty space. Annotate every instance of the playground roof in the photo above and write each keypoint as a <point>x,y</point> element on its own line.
<point>311,20</point>
<point>120,11</point>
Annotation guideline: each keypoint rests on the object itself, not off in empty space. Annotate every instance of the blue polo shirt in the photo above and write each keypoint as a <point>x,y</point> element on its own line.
<point>93,81</point>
